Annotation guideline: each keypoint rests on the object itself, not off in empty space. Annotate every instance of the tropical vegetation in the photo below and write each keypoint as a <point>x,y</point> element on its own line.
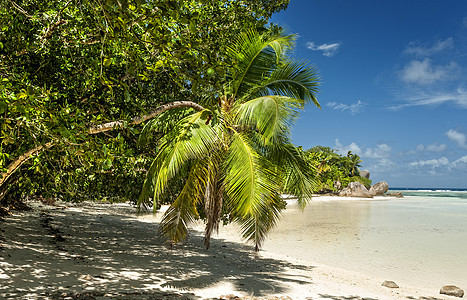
<point>334,171</point>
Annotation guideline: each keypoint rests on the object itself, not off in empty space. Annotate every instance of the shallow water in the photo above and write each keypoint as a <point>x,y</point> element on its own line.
<point>417,240</point>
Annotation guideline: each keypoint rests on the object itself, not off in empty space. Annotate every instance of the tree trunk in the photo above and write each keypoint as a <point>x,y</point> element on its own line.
<point>213,208</point>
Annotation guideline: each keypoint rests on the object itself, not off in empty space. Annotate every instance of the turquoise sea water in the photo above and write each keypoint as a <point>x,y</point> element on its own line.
<point>432,192</point>
<point>418,240</point>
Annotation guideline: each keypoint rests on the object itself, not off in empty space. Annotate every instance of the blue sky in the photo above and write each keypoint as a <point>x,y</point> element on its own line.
<point>394,85</point>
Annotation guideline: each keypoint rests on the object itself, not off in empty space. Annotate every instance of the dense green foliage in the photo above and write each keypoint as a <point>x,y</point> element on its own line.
<point>333,171</point>
<point>66,65</point>
<point>237,151</point>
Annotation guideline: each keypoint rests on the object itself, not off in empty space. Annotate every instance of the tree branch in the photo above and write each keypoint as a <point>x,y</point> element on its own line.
<point>17,163</point>
<point>138,120</point>
<point>20,9</point>
<point>51,28</point>
<point>21,160</point>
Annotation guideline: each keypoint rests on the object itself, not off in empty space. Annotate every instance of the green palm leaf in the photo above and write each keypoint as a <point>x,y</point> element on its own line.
<point>255,226</point>
<point>190,139</point>
<point>241,167</point>
<point>255,56</point>
<point>271,116</point>
<point>246,180</point>
<point>299,176</point>
<point>251,189</point>
<point>175,221</point>
<point>292,79</point>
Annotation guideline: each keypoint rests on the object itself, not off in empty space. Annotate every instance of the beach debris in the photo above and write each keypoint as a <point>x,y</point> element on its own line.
<point>379,189</point>
<point>452,290</point>
<point>390,284</point>
<point>355,189</point>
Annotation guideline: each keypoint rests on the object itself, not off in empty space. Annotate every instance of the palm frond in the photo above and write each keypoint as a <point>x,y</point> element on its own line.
<point>299,176</point>
<point>271,116</point>
<point>255,226</point>
<point>175,221</point>
<point>191,139</point>
<point>255,56</point>
<point>297,80</point>
<point>162,124</point>
<point>251,189</point>
<point>246,178</point>
<point>147,192</point>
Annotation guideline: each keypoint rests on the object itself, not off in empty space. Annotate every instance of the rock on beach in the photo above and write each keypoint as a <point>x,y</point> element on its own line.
<point>355,189</point>
<point>452,290</point>
<point>390,284</point>
<point>379,188</point>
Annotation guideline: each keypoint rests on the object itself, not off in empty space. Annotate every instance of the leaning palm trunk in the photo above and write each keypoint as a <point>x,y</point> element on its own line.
<point>238,151</point>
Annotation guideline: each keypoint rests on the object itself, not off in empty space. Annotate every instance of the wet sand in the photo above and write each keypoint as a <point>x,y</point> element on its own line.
<point>408,240</point>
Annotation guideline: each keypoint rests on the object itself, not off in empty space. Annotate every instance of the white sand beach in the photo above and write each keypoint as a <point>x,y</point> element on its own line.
<point>103,251</point>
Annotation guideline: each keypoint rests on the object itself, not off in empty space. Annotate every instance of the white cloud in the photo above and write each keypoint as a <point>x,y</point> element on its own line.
<point>431,148</point>
<point>329,50</point>
<point>381,150</point>
<point>436,147</point>
<point>418,49</point>
<point>458,97</point>
<point>461,162</point>
<point>383,164</point>
<point>434,163</point>
<point>343,150</point>
<point>440,165</point>
<point>352,108</point>
<point>458,137</point>
<point>423,72</point>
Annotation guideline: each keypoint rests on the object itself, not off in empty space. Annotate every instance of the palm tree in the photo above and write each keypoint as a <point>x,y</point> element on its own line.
<point>353,164</point>
<point>235,154</point>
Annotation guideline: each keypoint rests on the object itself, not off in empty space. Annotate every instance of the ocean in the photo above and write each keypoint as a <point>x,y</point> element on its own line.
<point>432,192</point>
<point>418,240</point>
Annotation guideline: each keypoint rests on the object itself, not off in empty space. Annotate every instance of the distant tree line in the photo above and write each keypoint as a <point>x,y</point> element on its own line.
<point>333,171</point>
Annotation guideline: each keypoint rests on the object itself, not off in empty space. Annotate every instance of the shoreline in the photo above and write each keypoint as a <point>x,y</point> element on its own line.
<point>106,248</point>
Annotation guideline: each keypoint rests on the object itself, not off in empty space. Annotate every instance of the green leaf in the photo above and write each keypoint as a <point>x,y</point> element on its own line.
<point>3,106</point>
<point>21,95</point>
<point>192,26</point>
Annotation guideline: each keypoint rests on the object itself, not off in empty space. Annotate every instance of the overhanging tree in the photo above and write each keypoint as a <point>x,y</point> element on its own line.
<point>68,65</point>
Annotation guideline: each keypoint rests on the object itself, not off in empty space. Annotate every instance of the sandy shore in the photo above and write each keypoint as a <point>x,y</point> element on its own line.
<point>102,251</point>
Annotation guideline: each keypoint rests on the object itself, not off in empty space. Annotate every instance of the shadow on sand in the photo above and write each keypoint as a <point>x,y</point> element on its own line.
<point>72,252</point>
